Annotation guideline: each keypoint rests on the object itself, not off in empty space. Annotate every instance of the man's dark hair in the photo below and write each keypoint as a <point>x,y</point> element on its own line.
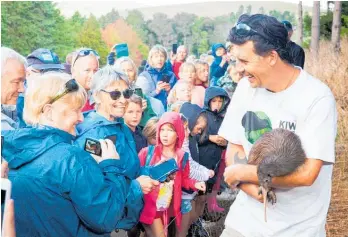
<point>271,35</point>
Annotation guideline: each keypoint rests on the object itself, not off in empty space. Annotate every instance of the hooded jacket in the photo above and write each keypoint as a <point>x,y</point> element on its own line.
<point>148,79</point>
<point>97,127</point>
<point>181,178</point>
<point>192,112</point>
<point>209,152</point>
<point>59,189</point>
<point>216,71</point>
<point>8,117</point>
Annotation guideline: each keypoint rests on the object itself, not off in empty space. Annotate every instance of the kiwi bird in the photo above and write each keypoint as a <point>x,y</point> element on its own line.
<point>276,153</point>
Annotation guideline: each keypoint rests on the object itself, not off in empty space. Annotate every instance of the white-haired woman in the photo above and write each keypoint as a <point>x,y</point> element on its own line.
<point>58,188</point>
<point>156,80</point>
<point>154,106</point>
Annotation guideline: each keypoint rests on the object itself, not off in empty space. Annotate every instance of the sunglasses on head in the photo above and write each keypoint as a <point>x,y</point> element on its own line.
<point>243,29</point>
<point>84,53</point>
<point>115,95</point>
<point>70,86</point>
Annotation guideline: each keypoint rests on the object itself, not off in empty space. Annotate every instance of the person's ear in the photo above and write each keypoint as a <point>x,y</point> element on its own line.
<point>47,111</point>
<point>272,58</point>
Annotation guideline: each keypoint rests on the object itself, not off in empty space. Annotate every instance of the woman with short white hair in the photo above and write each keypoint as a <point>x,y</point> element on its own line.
<point>156,80</point>
<point>110,91</point>
<point>58,188</point>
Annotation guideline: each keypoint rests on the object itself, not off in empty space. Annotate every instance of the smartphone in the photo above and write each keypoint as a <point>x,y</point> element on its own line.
<point>139,92</point>
<point>2,144</point>
<point>112,138</point>
<point>5,196</point>
<point>174,48</point>
<point>121,50</point>
<point>162,171</point>
<point>93,146</point>
<point>165,78</point>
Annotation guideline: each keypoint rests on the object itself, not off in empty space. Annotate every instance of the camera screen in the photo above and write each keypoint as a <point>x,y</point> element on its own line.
<point>92,147</point>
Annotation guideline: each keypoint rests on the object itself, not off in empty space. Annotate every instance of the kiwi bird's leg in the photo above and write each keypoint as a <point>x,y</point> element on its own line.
<point>271,196</point>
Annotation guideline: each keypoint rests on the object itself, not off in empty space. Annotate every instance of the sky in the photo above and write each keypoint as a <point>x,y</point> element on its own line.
<point>99,8</point>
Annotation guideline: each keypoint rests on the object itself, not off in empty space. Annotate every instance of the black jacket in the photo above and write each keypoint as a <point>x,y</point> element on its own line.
<point>139,138</point>
<point>297,54</point>
<point>192,112</point>
<point>209,152</point>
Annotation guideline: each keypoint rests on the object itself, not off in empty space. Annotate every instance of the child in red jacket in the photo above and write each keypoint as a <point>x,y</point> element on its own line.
<point>164,201</point>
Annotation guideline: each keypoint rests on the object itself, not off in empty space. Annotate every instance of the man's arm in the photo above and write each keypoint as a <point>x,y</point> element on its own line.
<point>304,176</point>
<point>235,155</point>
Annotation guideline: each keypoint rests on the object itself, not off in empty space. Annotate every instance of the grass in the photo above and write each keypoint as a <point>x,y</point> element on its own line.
<point>332,69</point>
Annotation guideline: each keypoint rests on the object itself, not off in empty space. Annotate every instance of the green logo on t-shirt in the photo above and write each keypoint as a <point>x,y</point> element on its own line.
<point>255,125</point>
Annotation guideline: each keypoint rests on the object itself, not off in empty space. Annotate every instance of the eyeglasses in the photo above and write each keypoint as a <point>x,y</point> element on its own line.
<point>243,29</point>
<point>84,53</point>
<point>70,86</point>
<point>115,95</point>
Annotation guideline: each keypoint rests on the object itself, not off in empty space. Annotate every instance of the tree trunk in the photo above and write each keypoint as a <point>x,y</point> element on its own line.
<point>315,27</point>
<point>300,23</point>
<point>336,26</point>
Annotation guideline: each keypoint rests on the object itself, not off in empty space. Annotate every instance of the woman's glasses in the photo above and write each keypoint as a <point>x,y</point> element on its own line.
<point>115,95</point>
<point>84,53</point>
<point>70,86</point>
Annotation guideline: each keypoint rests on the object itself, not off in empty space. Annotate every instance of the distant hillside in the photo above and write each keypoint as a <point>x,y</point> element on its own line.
<point>214,9</point>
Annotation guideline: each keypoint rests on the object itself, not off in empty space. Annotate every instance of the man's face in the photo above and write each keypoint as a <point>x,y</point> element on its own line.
<point>84,69</point>
<point>12,81</point>
<point>251,65</point>
<point>181,54</point>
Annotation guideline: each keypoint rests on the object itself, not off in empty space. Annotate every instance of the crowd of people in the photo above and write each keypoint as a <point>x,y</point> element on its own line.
<point>204,113</point>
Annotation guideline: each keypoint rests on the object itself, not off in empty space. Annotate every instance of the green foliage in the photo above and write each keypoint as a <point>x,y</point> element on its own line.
<point>90,36</point>
<point>110,17</point>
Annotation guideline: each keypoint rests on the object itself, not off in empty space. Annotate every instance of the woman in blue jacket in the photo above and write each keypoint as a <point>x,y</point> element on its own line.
<point>156,80</point>
<point>59,189</point>
<point>110,91</point>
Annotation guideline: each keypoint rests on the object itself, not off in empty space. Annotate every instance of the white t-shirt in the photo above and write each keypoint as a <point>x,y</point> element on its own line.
<point>307,108</point>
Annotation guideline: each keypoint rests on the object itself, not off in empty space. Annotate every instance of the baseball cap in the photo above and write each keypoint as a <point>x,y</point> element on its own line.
<point>43,59</point>
<point>287,25</point>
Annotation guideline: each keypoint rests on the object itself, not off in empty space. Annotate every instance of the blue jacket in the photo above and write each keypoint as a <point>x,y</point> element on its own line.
<point>209,152</point>
<point>148,79</point>
<point>215,70</point>
<point>59,189</point>
<point>97,127</point>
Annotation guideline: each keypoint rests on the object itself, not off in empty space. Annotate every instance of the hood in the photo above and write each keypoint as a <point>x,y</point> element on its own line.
<point>191,112</point>
<point>175,120</point>
<point>215,91</point>
<point>156,71</point>
<point>25,145</point>
<point>215,47</point>
<point>91,120</point>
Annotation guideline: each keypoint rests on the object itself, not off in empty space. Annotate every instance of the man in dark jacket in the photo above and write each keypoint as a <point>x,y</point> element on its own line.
<point>296,52</point>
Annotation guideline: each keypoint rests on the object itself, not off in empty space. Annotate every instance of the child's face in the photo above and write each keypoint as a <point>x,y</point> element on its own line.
<point>203,73</point>
<point>183,93</point>
<point>188,75</point>
<point>132,115</point>
<point>220,52</point>
<point>200,126</point>
<point>168,135</point>
<point>216,104</point>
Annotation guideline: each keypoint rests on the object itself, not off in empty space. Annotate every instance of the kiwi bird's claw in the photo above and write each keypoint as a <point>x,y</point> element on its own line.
<point>260,191</point>
<point>271,197</point>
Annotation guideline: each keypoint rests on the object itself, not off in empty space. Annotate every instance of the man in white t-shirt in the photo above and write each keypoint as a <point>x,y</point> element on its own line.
<point>275,94</point>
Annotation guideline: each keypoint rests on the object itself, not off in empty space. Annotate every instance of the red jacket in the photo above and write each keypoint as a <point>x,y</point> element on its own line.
<point>181,180</point>
<point>87,106</point>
